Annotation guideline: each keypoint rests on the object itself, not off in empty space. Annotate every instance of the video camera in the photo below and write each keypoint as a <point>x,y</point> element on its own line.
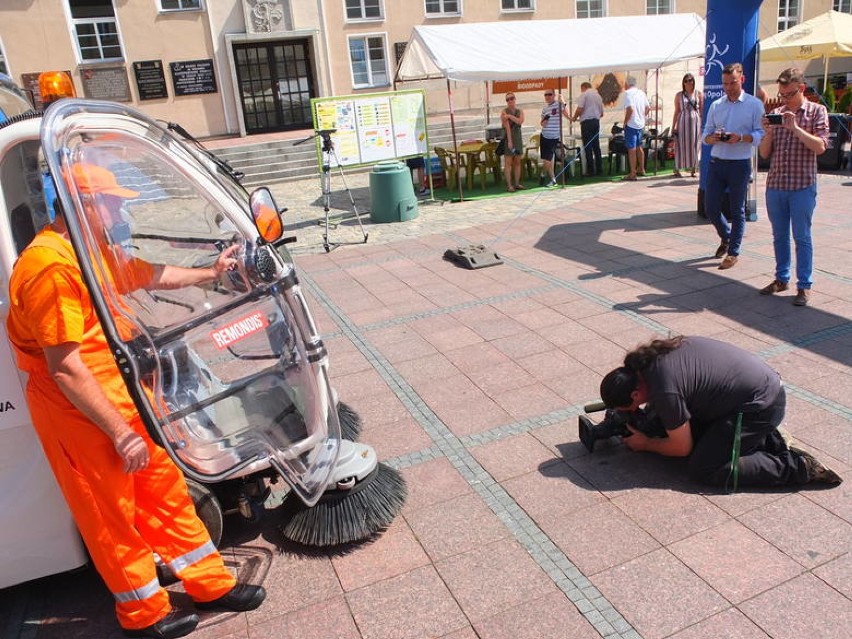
<point>615,424</point>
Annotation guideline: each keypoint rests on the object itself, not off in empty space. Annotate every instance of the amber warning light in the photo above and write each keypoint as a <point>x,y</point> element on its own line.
<point>54,85</point>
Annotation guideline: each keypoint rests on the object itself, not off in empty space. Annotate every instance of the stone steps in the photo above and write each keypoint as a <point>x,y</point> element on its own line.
<point>282,160</point>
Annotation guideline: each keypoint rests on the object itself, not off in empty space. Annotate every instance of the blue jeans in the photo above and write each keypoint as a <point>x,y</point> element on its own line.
<point>733,176</point>
<point>794,209</point>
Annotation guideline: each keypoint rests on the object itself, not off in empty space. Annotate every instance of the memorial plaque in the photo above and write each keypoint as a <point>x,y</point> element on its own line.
<point>150,80</point>
<point>193,76</point>
<point>106,83</point>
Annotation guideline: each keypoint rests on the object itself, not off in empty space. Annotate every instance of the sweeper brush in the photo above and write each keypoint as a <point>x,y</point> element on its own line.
<point>346,515</point>
<point>350,422</point>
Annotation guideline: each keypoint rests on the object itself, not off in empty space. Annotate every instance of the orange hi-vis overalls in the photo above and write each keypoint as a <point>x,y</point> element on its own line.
<point>122,517</point>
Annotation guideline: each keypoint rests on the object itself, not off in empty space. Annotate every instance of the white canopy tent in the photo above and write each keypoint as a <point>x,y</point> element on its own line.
<point>516,50</point>
<point>550,48</point>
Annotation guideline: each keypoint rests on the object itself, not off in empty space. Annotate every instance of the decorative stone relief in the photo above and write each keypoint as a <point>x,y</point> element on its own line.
<point>267,16</point>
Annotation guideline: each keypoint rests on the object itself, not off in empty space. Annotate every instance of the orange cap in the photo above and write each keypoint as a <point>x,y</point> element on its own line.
<point>91,178</point>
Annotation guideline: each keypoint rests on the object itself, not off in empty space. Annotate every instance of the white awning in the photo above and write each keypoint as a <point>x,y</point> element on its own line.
<point>550,48</point>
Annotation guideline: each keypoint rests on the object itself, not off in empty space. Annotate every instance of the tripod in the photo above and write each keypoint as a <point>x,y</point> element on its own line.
<point>329,154</point>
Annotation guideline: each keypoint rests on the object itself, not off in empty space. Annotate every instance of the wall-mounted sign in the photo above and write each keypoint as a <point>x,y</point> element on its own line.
<point>106,83</point>
<point>193,76</point>
<point>150,80</point>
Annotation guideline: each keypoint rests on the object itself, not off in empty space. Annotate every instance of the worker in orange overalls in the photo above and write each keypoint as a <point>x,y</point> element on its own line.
<point>128,498</point>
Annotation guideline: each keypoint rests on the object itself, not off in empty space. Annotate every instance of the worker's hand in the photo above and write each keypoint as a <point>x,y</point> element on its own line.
<point>132,449</point>
<point>226,260</point>
<point>637,440</point>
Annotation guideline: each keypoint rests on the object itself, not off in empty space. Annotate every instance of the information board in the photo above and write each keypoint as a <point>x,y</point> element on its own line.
<point>106,83</point>
<point>150,80</point>
<point>193,76</point>
<point>372,127</point>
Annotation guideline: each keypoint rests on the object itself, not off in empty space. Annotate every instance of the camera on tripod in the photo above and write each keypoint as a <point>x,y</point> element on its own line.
<point>614,424</point>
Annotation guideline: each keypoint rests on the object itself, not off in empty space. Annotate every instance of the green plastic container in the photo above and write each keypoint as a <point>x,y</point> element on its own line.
<point>392,196</point>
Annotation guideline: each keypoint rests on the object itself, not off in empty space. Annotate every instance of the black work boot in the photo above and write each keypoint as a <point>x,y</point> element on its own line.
<point>175,624</point>
<point>240,598</point>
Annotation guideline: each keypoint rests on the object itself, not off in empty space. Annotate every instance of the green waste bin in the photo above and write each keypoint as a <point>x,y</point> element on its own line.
<point>392,196</point>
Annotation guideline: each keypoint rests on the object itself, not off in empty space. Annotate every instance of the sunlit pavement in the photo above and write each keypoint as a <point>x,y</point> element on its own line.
<point>470,382</point>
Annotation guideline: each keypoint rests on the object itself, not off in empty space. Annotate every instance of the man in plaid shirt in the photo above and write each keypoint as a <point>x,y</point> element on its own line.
<point>792,148</point>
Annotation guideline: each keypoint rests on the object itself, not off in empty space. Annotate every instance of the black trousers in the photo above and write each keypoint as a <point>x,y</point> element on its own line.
<point>765,459</point>
<point>590,130</point>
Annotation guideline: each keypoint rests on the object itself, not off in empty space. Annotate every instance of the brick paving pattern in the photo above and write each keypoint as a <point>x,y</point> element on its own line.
<point>470,383</point>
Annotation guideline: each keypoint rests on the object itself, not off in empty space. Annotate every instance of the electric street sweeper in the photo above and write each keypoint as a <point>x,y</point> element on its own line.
<point>231,378</point>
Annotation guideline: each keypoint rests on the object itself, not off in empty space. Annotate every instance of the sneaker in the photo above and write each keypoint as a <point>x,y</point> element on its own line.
<point>722,250</point>
<point>551,184</point>
<point>728,262</point>
<point>240,598</point>
<point>818,473</point>
<point>801,298</point>
<point>177,623</point>
<point>775,286</point>
<point>423,191</point>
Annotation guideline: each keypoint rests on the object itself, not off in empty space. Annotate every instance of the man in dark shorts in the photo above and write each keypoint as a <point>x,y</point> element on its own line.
<point>551,133</point>
<point>707,395</point>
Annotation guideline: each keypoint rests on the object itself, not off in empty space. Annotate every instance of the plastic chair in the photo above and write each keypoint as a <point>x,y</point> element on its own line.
<point>532,157</point>
<point>617,148</point>
<point>448,164</point>
<point>492,161</point>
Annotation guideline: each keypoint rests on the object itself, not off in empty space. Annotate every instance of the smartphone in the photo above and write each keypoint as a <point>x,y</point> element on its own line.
<point>774,118</point>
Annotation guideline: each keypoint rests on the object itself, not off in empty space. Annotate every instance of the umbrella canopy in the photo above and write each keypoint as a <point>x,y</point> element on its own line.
<point>827,36</point>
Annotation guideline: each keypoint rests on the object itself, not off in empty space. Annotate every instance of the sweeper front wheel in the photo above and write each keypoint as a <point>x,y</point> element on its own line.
<point>208,508</point>
<point>346,515</point>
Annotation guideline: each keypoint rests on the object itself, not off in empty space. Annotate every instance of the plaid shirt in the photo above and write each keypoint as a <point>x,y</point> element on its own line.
<point>792,166</point>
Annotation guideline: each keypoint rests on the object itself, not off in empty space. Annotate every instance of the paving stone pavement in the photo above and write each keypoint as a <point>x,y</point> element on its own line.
<point>470,383</point>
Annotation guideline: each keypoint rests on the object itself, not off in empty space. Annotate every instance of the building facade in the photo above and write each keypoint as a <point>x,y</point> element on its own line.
<point>225,67</point>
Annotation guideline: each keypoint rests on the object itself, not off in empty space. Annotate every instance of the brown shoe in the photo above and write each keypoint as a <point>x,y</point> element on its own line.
<point>728,262</point>
<point>722,250</point>
<point>775,286</point>
<point>801,298</point>
<point>818,473</point>
<point>519,187</point>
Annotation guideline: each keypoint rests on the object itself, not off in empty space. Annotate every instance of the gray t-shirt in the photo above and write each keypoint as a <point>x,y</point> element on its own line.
<point>704,380</point>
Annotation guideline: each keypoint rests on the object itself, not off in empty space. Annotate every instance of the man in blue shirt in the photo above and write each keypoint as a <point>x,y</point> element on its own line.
<point>733,127</point>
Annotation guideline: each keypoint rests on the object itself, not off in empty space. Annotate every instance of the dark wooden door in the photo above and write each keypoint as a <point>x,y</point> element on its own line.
<point>276,85</point>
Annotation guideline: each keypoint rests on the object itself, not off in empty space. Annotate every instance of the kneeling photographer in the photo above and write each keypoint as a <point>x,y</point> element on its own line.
<point>719,405</point>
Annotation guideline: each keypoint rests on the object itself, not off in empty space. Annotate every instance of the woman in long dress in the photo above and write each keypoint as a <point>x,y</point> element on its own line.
<point>686,127</point>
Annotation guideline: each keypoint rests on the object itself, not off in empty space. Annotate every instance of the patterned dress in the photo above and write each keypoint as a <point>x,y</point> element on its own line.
<point>688,140</point>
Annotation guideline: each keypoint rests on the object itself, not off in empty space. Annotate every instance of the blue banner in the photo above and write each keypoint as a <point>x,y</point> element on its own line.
<point>731,36</point>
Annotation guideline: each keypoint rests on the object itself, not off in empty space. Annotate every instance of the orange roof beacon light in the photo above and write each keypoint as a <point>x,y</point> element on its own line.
<point>55,85</point>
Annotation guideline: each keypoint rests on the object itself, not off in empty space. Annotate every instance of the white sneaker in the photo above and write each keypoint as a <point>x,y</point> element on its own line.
<point>551,184</point>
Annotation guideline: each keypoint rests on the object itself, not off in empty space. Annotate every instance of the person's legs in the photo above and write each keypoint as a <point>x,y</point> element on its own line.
<point>588,138</point>
<point>764,460</point>
<point>778,211</point>
<point>802,204</point>
<point>507,171</point>
<point>547,148</point>
<point>632,139</point>
<point>595,128</point>
<point>640,157</point>
<point>738,175</point>
<point>715,187</point>
<point>518,168</point>
<point>166,518</point>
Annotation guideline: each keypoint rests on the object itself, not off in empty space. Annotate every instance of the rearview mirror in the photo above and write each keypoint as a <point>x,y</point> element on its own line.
<point>265,214</point>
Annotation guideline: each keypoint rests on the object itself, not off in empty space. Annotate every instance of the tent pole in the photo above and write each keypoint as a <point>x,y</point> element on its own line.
<point>658,109</point>
<point>455,141</point>
<point>825,74</point>
<point>487,104</point>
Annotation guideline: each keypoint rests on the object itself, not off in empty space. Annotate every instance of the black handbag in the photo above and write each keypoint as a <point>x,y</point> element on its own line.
<point>501,146</point>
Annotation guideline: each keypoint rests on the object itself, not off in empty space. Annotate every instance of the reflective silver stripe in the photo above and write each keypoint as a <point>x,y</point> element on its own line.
<point>138,594</point>
<point>179,563</point>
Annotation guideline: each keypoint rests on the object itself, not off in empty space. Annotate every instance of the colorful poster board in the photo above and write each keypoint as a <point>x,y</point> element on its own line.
<point>373,126</point>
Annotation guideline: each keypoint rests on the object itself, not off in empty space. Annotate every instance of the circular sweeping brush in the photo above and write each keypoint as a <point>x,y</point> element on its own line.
<point>350,422</point>
<point>343,516</point>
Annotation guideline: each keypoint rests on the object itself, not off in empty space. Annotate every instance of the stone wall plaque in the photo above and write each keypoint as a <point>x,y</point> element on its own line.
<point>150,80</point>
<point>106,83</point>
<point>192,77</point>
